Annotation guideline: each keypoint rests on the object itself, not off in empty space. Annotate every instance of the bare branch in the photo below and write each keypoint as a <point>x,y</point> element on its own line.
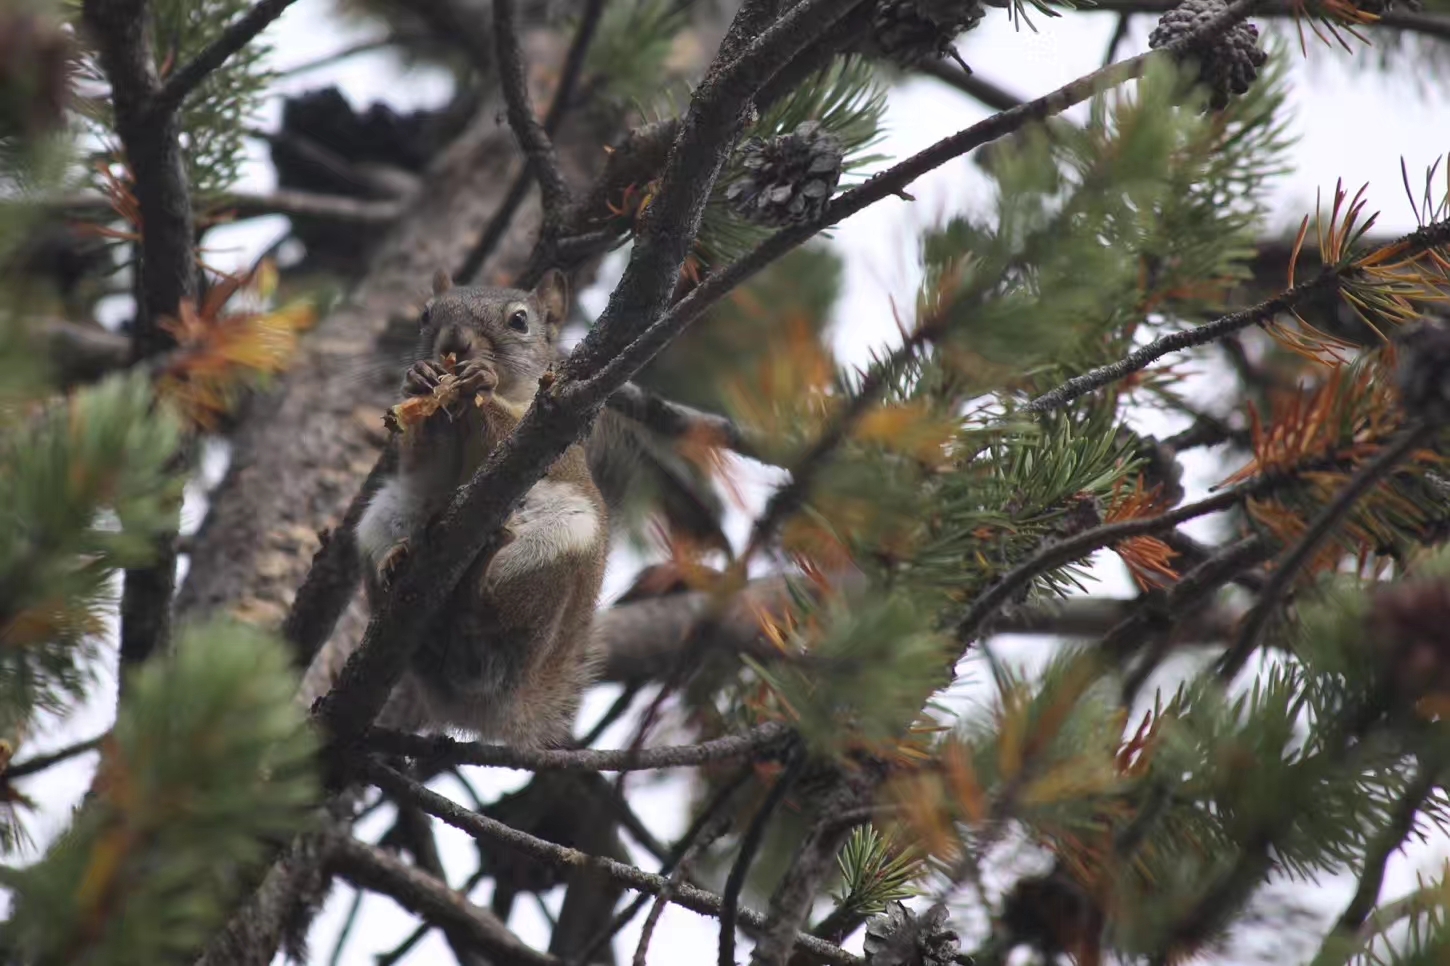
<point>568,80</point>
<point>814,859</point>
<point>534,140</point>
<point>1430,236</point>
<point>41,762</point>
<point>758,741</point>
<point>1287,570</point>
<point>369,867</point>
<point>168,273</point>
<point>1429,24</point>
<point>1389,841</point>
<point>1072,548</point>
<point>480,827</point>
<point>716,115</point>
<point>883,185</point>
<point>238,34</point>
<point>745,855</point>
<point>973,85</point>
<point>309,204</point>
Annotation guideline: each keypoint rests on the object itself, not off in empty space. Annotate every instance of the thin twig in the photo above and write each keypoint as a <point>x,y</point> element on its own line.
<point>612,714</point>
<point>1067,550</point>
<point>1388,842</point>
<point>369,867</point>
<point>41,762</point>
<point>714,824</point>
<point>704,822</point>
<point>503,216</point>
<point>345,932</point>
<point>973,85</point>
<point>1429,24</point>
<point>416,936</point>
<point>1364,479</point>
<point>886,184</point>
<point>1432,235</point>
<point>745,855</point>
<point>1120,34</point>
<point>484,828</point>
<point>1159,612</point>
<point>237,35</point>
<point>573,65</point>
<point>533,139</point>
<point>444,749</point>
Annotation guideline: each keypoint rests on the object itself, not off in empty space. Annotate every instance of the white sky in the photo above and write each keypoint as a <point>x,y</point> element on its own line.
<point>1390,118</point>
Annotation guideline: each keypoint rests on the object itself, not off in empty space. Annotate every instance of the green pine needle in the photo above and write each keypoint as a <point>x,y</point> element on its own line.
<point>876,870</point>
<point>211,758</point>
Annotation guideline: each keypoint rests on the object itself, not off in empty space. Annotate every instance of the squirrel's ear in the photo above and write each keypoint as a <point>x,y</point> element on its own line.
<point>552,294</point>
<point>442,282</point>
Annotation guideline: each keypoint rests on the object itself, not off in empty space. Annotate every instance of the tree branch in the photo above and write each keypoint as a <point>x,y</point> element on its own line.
<point>745,854</point>
<point>40,763</point>
<point>533,139</point>
<point>1287,570</point>
<point>369,867</point>
<point>237,35</point>
<point>1388,842</point>
<point>1432,235</point>
<point>1429,24</point>
<point>121,30</point>
<point>760,742</point>
<point>972,85</point>
<point>880,186</point>
<point>1072,548</point>
<point>569,78</point>
<point>483,828</point>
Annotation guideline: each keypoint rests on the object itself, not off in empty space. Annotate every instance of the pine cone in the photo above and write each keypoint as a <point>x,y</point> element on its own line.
<point>913,31</point>
<point>1424,369</point>
<point>787,179</point>
<point>899,938</point>
<point>1228,62</point>
<point>1407,622</point>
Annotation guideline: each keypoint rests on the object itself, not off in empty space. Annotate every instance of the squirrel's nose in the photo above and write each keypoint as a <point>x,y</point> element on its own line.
<point>454,341</point>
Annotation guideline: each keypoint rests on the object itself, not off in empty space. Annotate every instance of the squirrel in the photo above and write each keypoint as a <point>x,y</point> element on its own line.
<point>509,655</point>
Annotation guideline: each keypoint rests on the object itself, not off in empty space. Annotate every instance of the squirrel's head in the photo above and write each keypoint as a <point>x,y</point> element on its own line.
<point>516,330</point>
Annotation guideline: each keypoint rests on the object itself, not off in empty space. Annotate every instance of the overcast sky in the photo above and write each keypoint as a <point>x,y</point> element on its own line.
<point>1391,117</point>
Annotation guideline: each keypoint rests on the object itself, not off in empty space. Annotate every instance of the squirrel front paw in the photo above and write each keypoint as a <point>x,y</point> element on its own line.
<point>422,378</point>
<point>388,567</point>
<point>477,377</point>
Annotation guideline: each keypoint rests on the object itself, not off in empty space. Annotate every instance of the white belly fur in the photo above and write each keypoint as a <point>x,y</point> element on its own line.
<point>555,520</point>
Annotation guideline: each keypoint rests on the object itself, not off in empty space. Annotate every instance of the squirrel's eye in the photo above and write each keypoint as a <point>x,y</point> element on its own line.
<point>425,316</point>
<point>519,321</point>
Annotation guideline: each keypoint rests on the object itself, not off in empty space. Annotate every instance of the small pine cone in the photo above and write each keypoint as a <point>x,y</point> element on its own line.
<point>1228,63</point>
<point>1407,622</point>
<point>35,65</point>
<point>898,937</point>
<point>1424,369</point>
<point>787,179</point>
<point>911,32</point>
